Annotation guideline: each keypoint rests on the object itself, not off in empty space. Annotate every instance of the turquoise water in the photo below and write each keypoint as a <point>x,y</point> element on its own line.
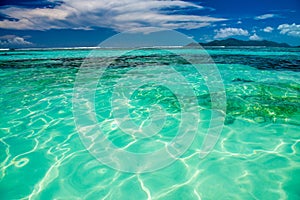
<point>256,156</point>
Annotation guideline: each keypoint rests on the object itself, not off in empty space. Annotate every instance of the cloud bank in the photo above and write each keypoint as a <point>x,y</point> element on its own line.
<point>142,15</point>
<point>290,29</point>
<point>268,29</point>
<point>265,16</point>
<point>9,40</point>
<point>228,32</point>
<point>255,37</point>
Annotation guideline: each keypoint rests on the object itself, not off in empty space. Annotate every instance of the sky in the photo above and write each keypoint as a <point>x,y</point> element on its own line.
<point>78,23</point>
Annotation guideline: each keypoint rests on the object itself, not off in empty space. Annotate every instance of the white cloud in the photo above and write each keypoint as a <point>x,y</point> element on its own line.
<point>115,14</point>
<point>290,29</point>
<point>265,16</point>
<point>13,40</point>
<point>255,37</point>
<point>239,22</point>
<point>227,32</point>
<point>268,29</point>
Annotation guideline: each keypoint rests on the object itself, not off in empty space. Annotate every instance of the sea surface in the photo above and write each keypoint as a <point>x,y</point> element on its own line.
<point>43,156</point>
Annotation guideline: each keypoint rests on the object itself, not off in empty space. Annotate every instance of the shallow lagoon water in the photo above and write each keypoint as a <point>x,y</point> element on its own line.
<point>256,156</point>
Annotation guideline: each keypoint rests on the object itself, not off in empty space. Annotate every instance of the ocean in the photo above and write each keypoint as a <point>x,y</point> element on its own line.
<point>150,123</point>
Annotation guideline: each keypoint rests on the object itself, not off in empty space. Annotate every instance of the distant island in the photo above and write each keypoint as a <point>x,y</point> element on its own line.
<point>235,43</point>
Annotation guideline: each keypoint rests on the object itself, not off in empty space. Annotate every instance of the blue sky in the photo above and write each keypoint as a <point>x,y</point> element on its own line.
<point>69,23</point>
